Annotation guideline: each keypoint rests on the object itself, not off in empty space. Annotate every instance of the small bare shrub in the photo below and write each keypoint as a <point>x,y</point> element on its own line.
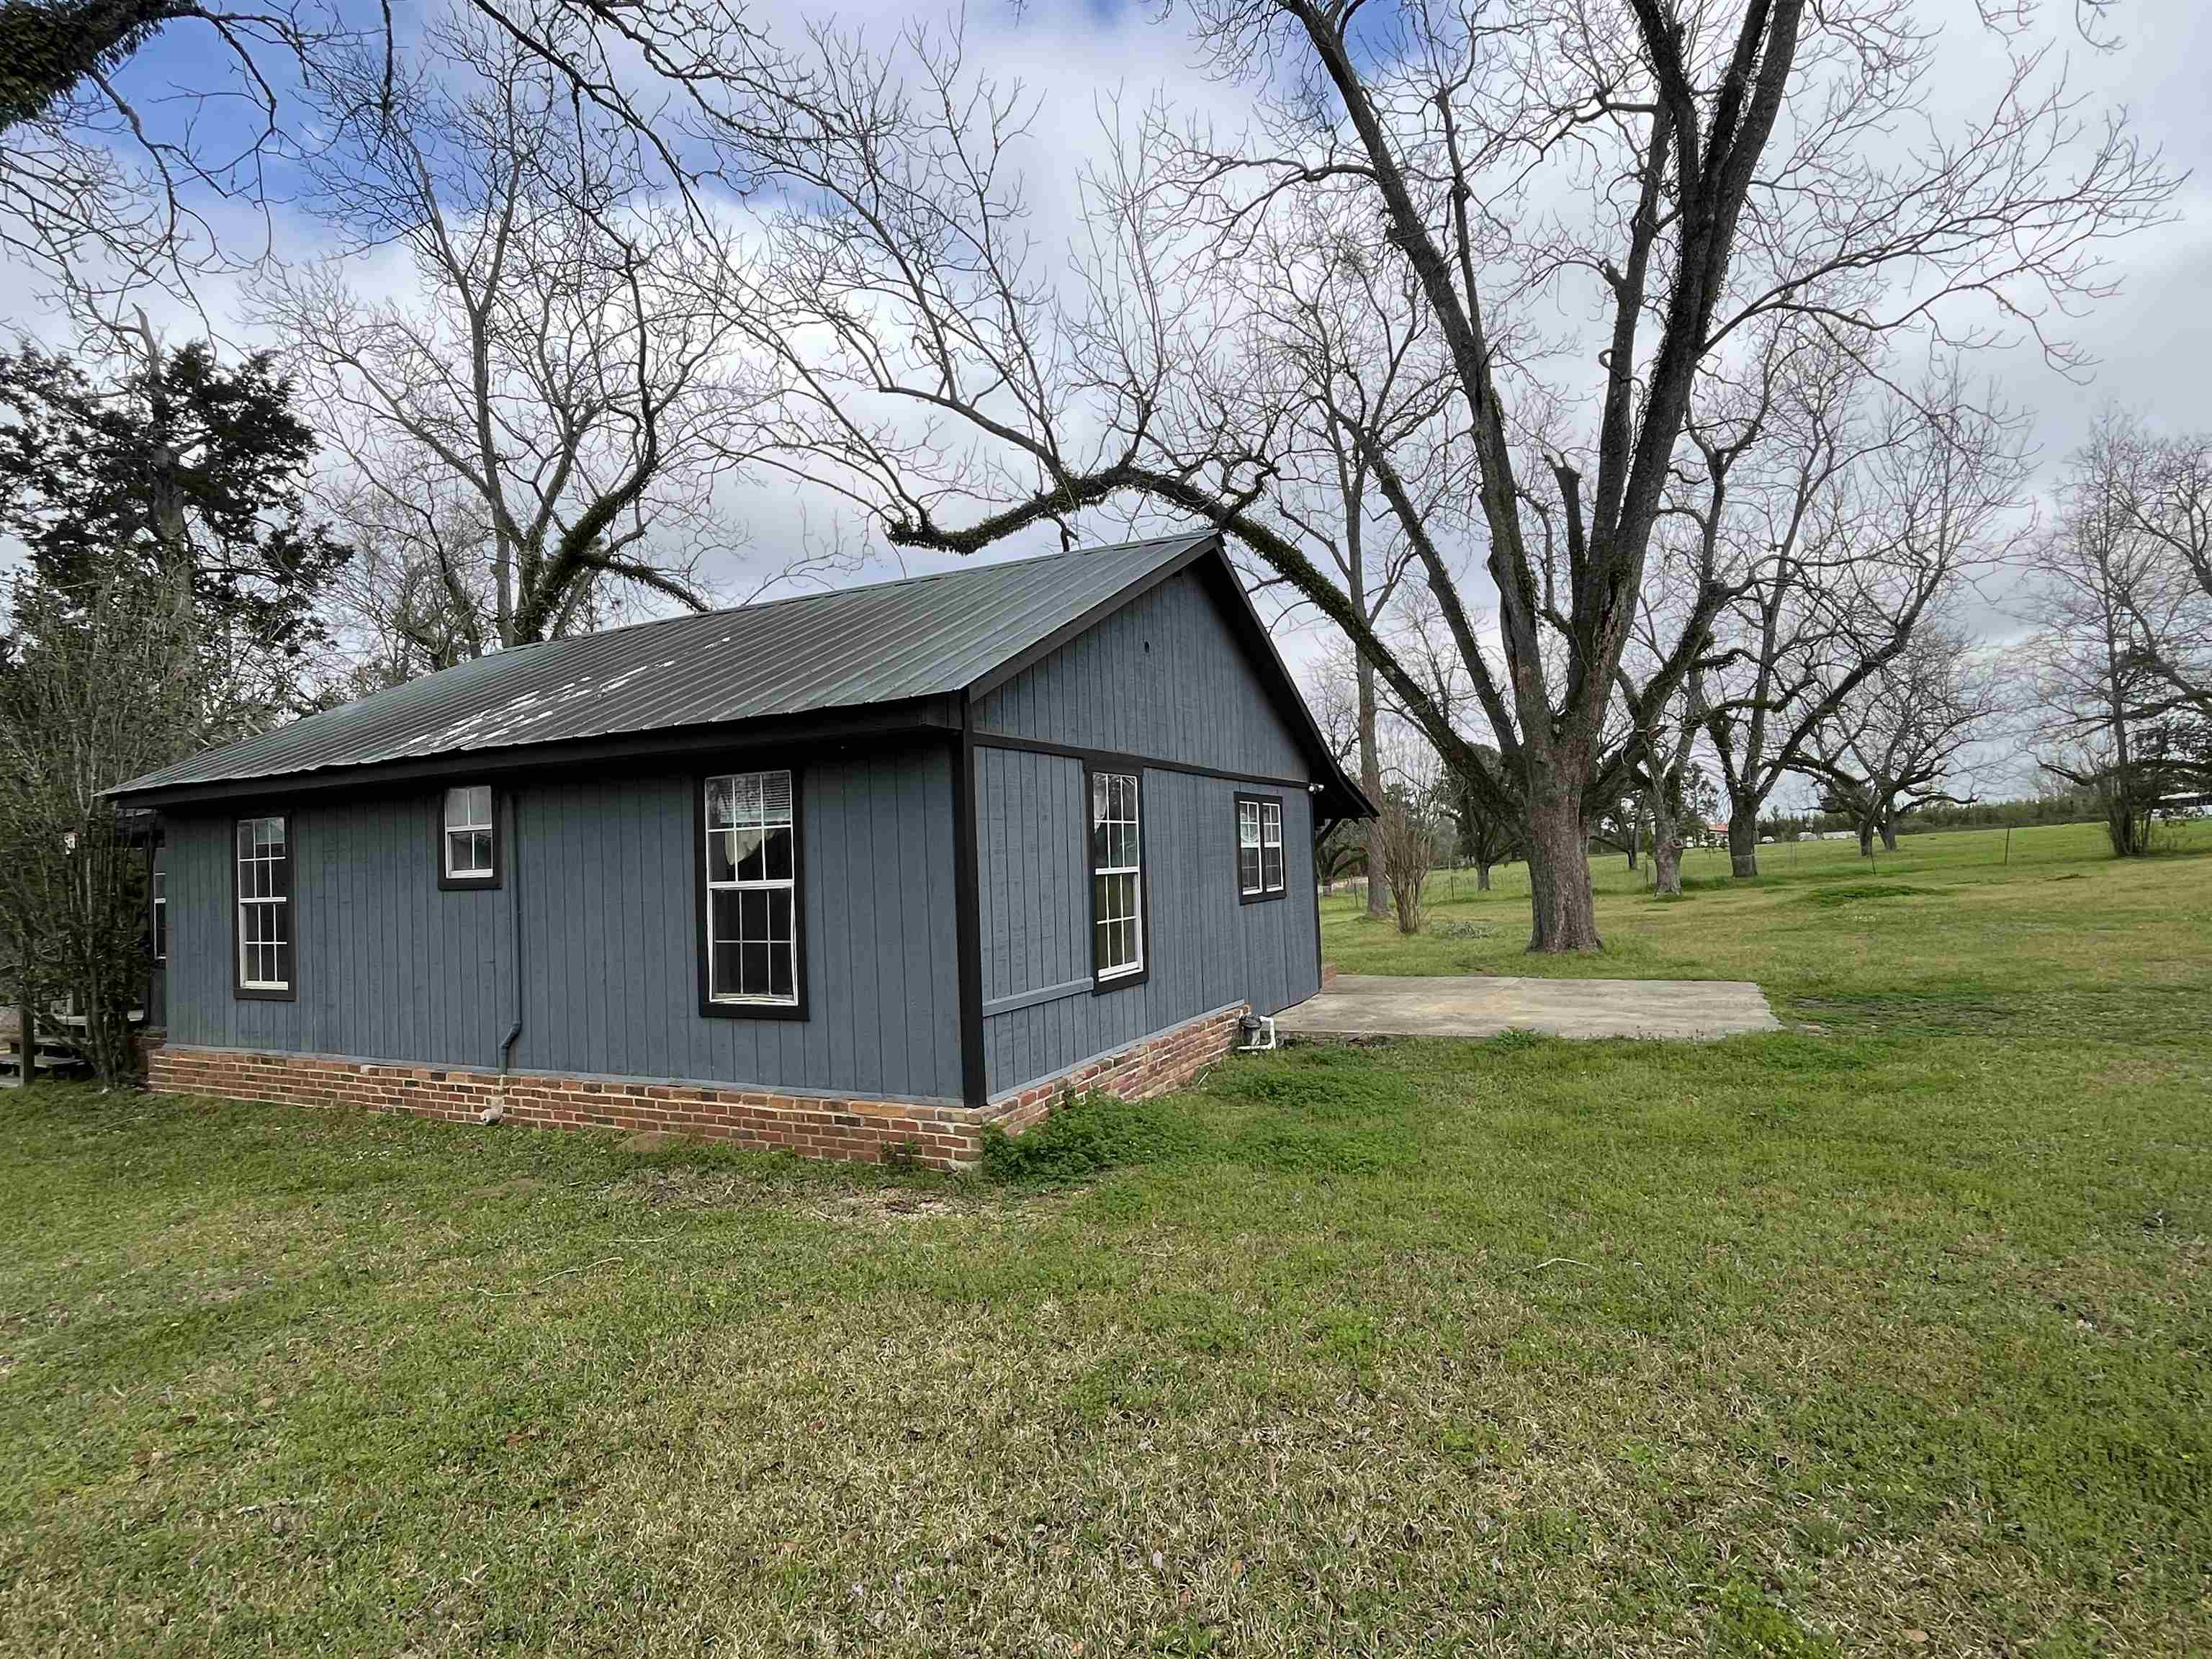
<point>1403,844</point>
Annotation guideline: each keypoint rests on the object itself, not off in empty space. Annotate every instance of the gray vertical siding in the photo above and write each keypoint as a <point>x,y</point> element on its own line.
<point>1204,948</point>
<point>1164,678</point>
<point>392,967</point>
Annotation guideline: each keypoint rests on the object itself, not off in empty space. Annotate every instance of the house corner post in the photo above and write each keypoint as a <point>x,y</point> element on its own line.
<point>967,903</point>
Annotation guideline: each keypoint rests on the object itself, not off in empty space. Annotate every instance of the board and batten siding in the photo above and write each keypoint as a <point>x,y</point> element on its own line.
<point>1205,949</point>
<point>1164,677</point>
<point>392,967</point>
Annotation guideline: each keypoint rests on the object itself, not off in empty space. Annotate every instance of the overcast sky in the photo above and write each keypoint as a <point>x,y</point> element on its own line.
<point>2152,342</point>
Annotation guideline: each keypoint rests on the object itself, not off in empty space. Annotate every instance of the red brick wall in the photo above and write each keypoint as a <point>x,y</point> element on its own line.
<point>945,1137</point>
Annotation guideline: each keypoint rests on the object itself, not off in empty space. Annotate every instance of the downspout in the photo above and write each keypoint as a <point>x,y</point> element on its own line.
<point>496,1112</point>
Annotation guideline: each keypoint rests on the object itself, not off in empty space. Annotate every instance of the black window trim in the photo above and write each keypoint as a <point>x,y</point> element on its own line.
<point>707,1005</point>
<point>1097,762</point>
<point>1263,894</point>
<point>467,884</point>
<point>239,990</point>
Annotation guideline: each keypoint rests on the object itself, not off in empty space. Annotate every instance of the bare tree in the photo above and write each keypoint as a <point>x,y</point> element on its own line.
<point>2117,629</point>
<point>2163,489</point>
<point>1859,511</point>
<point>1696,173</point>
<point>111,181</point>
<point>531,441</point>
<point>1898,741</point>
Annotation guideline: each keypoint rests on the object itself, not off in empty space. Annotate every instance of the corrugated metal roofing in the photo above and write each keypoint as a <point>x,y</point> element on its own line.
<point>923,636</point>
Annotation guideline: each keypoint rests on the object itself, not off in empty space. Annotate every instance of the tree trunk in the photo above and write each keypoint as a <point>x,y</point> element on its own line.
<point>1666,847</point>
<point>1370,777</point>
<point>1743,841</point>
<point>1889,831</point>
<point>1866,838</point>
<point>1635,835</point>
<point>1563,907</point>
<point>1481,876</point>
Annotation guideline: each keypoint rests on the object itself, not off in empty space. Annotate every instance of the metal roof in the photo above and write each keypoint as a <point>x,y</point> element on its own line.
<point>887,642</point>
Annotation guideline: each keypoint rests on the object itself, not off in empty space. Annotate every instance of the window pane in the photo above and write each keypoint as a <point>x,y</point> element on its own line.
<point>779,915</point>
<point>777,855</point>
<point>751,864</point>
<point>721,803</point>
<point>753,969</point>
<point>721,855</point>
<point>779,966</point>
<point>722,917</point>
<point>752,915</point>
<point>1274,869</point>
<point>483,850</point>
<point>723,970</point>
<point>456,808</point>
<point>1248,869</point>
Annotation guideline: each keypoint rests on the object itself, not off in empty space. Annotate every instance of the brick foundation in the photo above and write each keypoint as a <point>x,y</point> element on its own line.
<point>945,1137</point>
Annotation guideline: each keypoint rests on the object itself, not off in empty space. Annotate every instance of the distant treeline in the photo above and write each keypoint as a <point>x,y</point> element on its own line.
<point>2074,806</point>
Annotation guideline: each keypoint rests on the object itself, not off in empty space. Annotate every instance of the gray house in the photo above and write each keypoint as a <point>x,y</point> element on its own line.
<point>852,872</point>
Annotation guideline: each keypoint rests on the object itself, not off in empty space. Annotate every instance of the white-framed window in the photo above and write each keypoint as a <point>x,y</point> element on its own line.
<point>266,946</point>
<point>752,887</point>
<point>468,841</point>
<point>1258,847</point>
<point>158,881</point>
<point>1117,877</point>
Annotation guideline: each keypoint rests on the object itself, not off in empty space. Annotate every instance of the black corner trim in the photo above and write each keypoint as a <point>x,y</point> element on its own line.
<point>708,1007</point>
<point>1095,762</point>
<point>968,914</point>
<point>466,884</point>
<point>1265,894</point>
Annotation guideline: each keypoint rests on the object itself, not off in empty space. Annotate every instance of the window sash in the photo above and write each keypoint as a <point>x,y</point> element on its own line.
<point>752,872</point>
<point>264,873</point>
<point>1260,867</point>
<point>159,882</point>
<point>1117,877</point>
<point>470,851</point>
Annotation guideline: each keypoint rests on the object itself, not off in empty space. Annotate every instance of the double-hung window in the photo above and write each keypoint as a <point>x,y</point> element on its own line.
<point>749,841</point>
<point>158,879</point>
<point>1258,847</point>
<point>468,838</point>
<point>266,940</point>
<point>1117,879</point>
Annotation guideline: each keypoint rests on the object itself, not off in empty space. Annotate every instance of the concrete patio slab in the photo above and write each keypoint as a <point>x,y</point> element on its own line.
<point>1471,1005</point>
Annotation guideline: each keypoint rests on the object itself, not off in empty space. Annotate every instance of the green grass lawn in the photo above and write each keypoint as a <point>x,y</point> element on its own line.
<point>1886,1335</point>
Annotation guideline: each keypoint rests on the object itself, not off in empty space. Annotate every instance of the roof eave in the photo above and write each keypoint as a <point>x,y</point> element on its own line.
<point>905,718</point>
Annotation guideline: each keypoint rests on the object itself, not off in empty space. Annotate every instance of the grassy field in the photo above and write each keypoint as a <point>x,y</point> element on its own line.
<point>1886,1335</point>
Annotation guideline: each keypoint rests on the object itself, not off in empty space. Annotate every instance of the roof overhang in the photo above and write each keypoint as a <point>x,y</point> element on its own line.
<point>829,729</point>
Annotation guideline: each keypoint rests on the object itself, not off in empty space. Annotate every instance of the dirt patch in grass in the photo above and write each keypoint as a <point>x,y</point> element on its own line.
<point>1860,892</point>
